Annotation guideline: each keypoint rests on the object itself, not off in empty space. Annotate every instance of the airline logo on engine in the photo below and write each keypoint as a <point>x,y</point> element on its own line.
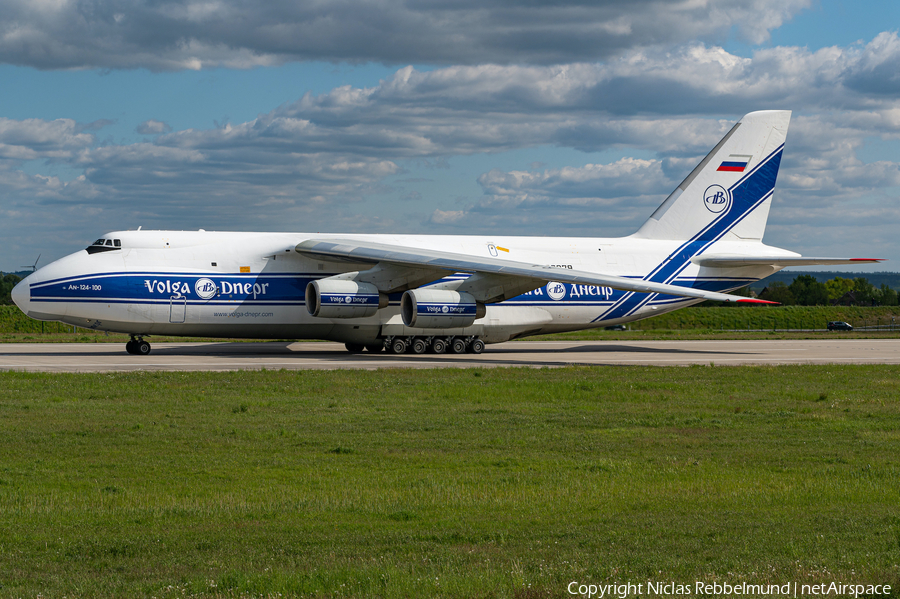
<point>347,300</point>
<point>445,309</point>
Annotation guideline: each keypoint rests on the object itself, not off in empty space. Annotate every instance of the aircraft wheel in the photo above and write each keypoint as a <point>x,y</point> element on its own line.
<point>419,345</point>
<point>354,348</point>
<point>375,349</point>
<point>458,345</point>
<point>477,346</point>
<point>438,345</point>
<point>130,347</point>
<point>143,348</point>
<point>398,345</point>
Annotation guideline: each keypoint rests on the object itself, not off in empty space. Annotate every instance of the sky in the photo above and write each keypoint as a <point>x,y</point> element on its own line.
<point>570,118</point>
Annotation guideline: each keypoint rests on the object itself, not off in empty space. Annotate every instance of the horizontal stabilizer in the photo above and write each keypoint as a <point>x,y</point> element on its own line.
<point>777,261</point>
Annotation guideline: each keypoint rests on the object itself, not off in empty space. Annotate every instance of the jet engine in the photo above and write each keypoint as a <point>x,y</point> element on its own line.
<point>439,309</point>
<point>340,298</point>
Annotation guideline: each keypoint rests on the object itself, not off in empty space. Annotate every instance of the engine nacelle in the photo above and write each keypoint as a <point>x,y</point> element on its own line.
<point>439,309</point>
<point>340,298</point>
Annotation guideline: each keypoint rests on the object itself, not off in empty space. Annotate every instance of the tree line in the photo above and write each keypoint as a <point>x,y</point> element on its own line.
<point>805,290</point>
<point>7,282</point>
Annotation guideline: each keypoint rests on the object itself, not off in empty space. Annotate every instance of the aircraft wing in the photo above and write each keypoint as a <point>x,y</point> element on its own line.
<point>723,261</point>
<point>522,276</point>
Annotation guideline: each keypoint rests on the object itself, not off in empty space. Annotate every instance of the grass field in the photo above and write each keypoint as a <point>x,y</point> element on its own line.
<point>15,327</point>
<point>446,483</point>
<point>770,317</point>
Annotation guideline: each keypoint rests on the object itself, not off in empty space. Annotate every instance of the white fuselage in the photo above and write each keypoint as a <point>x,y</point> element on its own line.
<point>153,284</point>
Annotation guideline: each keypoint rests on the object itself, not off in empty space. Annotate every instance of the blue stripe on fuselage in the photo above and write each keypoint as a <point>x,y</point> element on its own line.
<point>750,191</point>
<point>156,287</point>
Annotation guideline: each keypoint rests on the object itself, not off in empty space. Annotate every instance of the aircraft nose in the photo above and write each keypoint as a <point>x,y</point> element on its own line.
<point>21,294</point>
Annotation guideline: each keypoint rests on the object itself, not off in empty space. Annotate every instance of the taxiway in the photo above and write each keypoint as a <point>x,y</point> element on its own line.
<point>102,357</point>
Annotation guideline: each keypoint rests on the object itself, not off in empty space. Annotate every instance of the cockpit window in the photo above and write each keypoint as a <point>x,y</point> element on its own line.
<point>104,245</point>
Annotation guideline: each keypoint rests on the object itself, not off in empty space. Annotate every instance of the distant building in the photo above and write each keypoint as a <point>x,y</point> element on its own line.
<point>848,299</point>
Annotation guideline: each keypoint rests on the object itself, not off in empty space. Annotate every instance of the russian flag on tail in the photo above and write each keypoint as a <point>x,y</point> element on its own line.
<point>735,163</point>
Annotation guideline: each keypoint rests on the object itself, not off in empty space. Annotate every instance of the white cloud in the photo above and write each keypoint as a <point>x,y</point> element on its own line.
<point>592,199</point>
<point>32,139</point>
<point>195,34</point>
<point>822,185</point>
<point>627,177</point>
<point>313,163</point>
<point>447,217</point>
<point>153,127</point>
<point>490,108</point>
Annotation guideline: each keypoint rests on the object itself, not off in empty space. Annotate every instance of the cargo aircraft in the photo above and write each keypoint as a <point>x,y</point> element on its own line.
<point>433,293</point>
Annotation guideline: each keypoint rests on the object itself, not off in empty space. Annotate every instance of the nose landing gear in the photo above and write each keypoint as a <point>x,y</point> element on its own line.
<point>137,346</point>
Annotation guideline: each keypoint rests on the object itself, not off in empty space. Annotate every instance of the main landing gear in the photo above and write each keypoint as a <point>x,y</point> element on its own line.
<point>421,345</point>
<point>137,346</point>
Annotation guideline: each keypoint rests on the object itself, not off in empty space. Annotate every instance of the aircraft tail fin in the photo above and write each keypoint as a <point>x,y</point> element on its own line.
<point>729,193</point>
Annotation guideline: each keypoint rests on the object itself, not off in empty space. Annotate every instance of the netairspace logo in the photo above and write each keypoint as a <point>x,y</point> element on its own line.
<point>720,589</point>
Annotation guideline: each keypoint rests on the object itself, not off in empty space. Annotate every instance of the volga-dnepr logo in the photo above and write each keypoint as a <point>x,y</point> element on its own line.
<point>716,199</point>
<point>556,290</point>
<point>205,288</point>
